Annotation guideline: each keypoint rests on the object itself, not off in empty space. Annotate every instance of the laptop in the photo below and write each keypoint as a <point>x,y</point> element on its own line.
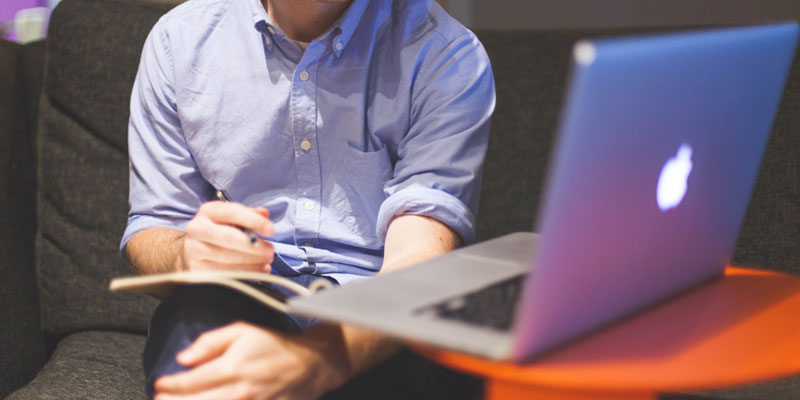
<point>658,148</point>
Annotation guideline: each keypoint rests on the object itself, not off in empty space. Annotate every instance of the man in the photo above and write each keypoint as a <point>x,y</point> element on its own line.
<point>351,133</point>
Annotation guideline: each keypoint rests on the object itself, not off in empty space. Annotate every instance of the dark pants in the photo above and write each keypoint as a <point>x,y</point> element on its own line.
<point>191,310</point>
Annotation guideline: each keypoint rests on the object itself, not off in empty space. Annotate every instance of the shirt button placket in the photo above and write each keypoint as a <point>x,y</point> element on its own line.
<point>307,158</point>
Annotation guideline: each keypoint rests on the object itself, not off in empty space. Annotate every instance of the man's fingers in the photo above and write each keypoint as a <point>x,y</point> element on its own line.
<point>205,230</point>
<point>196,381</point>
<point>213,253</point>
<point>238,215</point>
<point>214,238</point>
<point>263,211</point>
<point>230,390</point>
<point>202,265</point>
<point>210,345</point>
<point>204,355</point>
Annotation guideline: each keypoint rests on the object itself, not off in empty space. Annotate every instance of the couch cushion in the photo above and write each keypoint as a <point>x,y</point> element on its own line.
<point>22,344</point>
<point>93,54</point>
<point>530,70</point>
<point>97,365</point>
<point>32,68</point>
<point>770,236</point>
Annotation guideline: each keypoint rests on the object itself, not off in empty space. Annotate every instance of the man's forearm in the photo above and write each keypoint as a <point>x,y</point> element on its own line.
<point>345,351</point>
<point>410,240</point>
<point>155,250</point>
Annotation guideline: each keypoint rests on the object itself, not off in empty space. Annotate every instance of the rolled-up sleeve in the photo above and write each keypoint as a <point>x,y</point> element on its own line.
<point>440,160</point>
<point>166,187</point>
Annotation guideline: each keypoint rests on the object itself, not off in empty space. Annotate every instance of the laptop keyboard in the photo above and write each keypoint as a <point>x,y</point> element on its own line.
<point>491,307</point>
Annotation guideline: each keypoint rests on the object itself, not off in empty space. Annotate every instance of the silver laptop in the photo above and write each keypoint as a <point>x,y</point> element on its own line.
<point>659,145</point>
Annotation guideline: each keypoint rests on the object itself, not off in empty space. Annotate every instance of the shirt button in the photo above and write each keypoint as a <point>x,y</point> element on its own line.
<point>308,205</point>
<point>304,76</point>
<point>338,46</point>
<point>305,145</point>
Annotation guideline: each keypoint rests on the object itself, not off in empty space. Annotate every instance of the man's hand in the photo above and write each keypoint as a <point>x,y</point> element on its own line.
<point>213,239</point>
<point>243,361</point>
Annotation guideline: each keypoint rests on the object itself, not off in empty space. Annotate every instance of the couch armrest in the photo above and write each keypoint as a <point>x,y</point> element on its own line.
<point>22,343</point>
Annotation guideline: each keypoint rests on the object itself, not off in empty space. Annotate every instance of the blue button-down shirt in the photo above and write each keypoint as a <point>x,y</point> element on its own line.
<point>386,113</point>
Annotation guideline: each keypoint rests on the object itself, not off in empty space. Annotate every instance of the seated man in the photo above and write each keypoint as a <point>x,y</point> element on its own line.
<point>350,133</point>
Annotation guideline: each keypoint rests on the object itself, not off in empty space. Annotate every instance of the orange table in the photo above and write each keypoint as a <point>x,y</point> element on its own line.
<point>742,328</point>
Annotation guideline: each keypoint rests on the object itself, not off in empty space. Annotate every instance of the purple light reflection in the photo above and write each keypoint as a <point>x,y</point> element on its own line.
<point>8,9</point>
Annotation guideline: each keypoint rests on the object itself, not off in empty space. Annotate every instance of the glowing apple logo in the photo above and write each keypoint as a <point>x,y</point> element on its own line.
<point>673,179</point>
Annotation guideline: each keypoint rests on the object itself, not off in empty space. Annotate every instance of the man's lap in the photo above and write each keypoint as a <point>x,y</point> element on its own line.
<point>191,310</point>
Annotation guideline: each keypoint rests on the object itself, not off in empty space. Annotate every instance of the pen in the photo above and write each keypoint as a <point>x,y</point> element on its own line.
<point>252,236</point>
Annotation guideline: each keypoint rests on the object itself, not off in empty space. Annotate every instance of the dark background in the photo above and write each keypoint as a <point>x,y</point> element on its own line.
<point>555,14</point>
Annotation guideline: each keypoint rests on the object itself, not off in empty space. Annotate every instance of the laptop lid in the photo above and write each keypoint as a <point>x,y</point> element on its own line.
<point>659,146</point>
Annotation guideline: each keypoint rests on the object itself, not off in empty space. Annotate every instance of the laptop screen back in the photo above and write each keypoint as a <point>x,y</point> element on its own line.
<point>658,150</point>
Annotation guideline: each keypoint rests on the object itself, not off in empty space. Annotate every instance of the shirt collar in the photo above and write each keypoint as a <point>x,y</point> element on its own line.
<point>347,25</point>
<point>342,30</point>
<point>262,21</point>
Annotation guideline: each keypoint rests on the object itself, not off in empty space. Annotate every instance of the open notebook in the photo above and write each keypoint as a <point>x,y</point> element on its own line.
<point>248,283</point>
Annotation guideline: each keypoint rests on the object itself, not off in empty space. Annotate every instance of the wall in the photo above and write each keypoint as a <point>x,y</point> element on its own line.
<point>553,14</point>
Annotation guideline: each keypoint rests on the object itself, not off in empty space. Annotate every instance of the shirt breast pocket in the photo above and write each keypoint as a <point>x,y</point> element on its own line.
<point>357,192</point>
<point>372,166</point>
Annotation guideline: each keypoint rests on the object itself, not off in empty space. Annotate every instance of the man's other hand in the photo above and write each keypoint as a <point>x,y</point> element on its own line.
<point>214,239</point>
<point>244,361</point>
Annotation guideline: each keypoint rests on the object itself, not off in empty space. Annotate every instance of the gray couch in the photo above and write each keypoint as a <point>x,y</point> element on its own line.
<point>63,193</point>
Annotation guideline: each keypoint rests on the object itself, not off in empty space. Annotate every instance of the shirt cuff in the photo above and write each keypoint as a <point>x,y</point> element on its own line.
<point>138,223</point>
<point>345,278</point>
<point>420,200</point>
